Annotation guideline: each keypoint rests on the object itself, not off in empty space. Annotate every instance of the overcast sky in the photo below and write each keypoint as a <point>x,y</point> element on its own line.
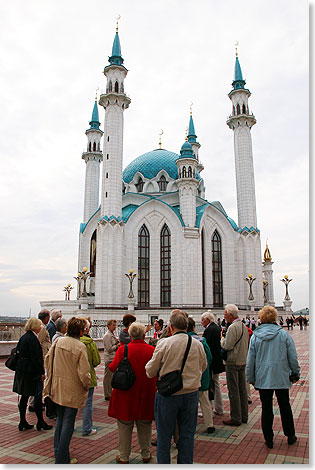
<point>52,54</point>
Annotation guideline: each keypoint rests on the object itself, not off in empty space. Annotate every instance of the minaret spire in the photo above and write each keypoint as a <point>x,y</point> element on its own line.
<point>192,139</point>
<point>241,122</point>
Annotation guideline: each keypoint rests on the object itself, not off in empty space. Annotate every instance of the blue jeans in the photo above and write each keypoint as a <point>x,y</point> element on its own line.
<point>63,433</point>
<point>168,410</point>
<point>87,417</point>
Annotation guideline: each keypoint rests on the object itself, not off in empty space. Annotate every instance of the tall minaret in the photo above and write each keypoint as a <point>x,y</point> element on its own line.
<point>109,254</point>
<point>114,101</point>
<point>241,121</point>
<point>187,184</point>
<point>92,157</point>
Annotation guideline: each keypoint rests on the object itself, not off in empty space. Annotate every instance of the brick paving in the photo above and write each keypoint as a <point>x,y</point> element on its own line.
<point>228,445</point>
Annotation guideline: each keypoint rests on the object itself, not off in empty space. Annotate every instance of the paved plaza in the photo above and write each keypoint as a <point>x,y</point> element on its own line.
<point>228,445</point>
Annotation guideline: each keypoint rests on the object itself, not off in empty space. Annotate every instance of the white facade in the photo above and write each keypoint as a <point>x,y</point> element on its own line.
<point>154,219</point>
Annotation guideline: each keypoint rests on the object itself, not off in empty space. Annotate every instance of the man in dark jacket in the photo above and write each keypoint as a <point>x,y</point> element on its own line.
<point>212,334</point>
<point>51,327</point>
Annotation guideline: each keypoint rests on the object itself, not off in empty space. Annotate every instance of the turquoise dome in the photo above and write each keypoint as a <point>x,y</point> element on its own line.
<point>186,146</point>
<point>151,163</point>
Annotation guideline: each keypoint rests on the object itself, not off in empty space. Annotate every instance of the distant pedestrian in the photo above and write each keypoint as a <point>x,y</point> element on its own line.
<point>252,324</point>
<point>272,366</point>
<point>300,320</point>
<point>305,321</point>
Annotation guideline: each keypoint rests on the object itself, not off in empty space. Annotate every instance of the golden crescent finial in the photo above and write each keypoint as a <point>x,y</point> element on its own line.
<point>160,141</point>
<point>236,44</point>
<point>117,19</point>
<point>191,105</point>
<point>96,93</point>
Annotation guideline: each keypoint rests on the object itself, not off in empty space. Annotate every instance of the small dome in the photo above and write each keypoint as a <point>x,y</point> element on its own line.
<point>151,163</point>
<point>186,146</point>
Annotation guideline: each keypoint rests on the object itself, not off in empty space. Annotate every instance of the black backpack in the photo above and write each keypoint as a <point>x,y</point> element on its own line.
<point>123,377</point>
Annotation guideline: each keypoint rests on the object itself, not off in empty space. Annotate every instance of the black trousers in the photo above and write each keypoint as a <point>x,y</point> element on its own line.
<point>266,397</point>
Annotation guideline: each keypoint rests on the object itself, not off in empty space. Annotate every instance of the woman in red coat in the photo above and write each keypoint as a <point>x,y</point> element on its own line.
<point>135,405</point>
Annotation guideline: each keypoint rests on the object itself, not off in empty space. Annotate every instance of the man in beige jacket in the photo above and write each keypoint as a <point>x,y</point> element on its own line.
<point>236,345</point>
<point>183,405</point>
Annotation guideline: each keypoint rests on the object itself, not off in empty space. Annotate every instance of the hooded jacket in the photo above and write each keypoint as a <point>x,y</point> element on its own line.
<point>271,358</point>
<point>93,357</point>
<point>205,378</point>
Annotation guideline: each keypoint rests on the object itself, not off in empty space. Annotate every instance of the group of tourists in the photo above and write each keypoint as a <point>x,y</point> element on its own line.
<point>173,371</point>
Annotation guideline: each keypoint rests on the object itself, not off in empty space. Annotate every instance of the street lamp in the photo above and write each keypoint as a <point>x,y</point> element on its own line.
<point>67,289</point>
<point>286,281</point>
<point>131,276</point>
<point>250,280</point>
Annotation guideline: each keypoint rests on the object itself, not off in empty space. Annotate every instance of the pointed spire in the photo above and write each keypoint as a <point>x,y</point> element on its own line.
<point>116,58</point>
<point>94,123</point>
<point>238,81</point>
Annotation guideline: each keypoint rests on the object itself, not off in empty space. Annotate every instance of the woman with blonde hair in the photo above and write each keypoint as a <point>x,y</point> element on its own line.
<point>30,374</point>
<point>272,366</point>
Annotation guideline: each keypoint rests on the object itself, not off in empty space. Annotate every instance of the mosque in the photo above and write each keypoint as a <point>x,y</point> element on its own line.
<point>152,220</point>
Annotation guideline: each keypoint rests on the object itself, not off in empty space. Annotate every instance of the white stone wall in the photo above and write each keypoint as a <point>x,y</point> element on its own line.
<point>245,180</point>
<point>92,181</point>
<point>112,161</point>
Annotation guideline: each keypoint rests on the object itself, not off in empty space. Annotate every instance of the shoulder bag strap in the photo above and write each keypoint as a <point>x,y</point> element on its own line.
<point>240,336</point>
<point>186,353</point>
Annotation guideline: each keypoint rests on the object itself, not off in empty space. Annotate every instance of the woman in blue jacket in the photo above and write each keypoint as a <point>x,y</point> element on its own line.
<point>272,366</point>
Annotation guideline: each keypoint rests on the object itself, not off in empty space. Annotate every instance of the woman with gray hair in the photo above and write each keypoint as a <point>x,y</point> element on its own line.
<point>136,405</point>
<point>212,334</point>
<point>61,329</point>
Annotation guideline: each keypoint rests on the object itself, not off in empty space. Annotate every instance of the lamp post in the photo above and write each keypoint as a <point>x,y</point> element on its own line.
<point>250,280</point>
<point>84,275</point>
<point>265,285</point>
<point>286,281</point>
<point>130,277</point>
<point>67,289</point>
<point>79,281</point>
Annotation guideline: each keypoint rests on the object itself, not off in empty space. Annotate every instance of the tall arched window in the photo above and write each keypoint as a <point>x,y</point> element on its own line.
<point>116,87</point>
<point>244,109</point>
<point>139,185</point>
<point>189,172</point>
<point>110,86</point>
<point>165,267</point>
<point>203,266</point>
<point>238,109</point>
<point>184,172</point>
<point>94,147</point>
<point>217,282</point>
<point>162,183</point>
<point>144,267</point>
<point>93,255</point>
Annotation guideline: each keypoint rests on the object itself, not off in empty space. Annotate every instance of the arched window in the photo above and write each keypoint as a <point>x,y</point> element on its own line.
<point>184,172</point>
<point>139,185</point>
<point>217,284</point>
<point>244,109</point>
<point>238,109</point>
<point>144,267</point>
<point>165,267</point>
<point>162,183</point>
<point>110,86</point>
<point>203,267</point>
<point>116,87</point>
<point>121,87</point>
<point>94,147</point>
<point>90,147</point>
<point>189,172</point>
<point>93,255</point>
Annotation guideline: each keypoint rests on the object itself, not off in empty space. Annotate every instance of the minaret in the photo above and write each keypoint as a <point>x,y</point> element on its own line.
<point>268,275</point>
<point>241,122</point>
<point>92,157</point>
<point>109,254</point>
<point>192,139</point>
<point>114,101</point>
<point>187,184</point>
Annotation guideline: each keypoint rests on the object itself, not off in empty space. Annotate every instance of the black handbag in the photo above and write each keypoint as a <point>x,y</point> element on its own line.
<point>172,382</point>
<point>12,360</point>
<point>123,377</point>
